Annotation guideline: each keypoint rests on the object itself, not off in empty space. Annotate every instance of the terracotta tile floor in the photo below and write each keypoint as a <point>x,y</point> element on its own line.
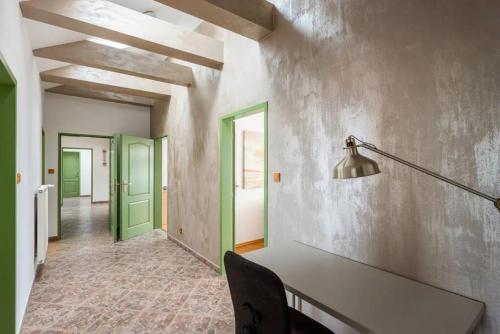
<point>144,285</point>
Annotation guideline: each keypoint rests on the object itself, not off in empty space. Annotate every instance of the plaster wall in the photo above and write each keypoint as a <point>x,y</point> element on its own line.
<point>16,50</point>
<point>75,115</point>
<point>419,79</point>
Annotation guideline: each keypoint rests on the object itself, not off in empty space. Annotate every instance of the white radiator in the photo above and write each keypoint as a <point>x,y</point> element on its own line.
<point>42,213</point>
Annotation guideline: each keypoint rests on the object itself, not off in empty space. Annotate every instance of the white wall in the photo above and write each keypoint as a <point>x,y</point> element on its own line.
<point>85,170</point>
<point>101,173</point>
<point>66,114</point>
<point>249,203</point>
<point>16,50</point>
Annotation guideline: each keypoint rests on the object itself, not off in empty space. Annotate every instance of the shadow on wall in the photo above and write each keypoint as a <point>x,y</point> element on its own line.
<point>415,79</point>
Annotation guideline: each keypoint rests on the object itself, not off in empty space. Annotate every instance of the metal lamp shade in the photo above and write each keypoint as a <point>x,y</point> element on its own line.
<point>354,165</point>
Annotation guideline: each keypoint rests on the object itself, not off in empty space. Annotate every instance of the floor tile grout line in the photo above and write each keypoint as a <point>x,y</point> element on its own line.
<point>195,270</point>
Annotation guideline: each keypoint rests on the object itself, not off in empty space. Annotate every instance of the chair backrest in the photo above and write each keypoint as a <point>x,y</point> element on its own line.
<point>258,297</point>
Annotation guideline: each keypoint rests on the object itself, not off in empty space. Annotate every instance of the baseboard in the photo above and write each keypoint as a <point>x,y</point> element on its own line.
<point>39,272</point>
<point>251,242</point>
<point>84,195</point>
<point>99,202</point>
<point>194,253</point>
<point>54,238</point>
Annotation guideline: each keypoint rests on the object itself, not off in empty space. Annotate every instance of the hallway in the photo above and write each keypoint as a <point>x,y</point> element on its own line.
<point>144,285</point>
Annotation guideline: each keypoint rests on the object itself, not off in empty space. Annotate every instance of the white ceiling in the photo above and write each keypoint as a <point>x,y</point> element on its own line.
<point>43,35</point>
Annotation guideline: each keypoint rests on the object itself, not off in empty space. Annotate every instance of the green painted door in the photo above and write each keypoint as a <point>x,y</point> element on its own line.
<point>7,200</point>
<point>71,174</point>
<point>137,192</point>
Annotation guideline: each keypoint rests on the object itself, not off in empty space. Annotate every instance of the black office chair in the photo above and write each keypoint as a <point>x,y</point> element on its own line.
<point>259,301</point>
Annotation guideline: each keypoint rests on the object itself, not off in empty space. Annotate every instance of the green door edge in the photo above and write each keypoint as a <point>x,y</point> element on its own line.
<point>59,165</point>
<point>8,199</point>
<point>226,177</point>
<point>91,167</point>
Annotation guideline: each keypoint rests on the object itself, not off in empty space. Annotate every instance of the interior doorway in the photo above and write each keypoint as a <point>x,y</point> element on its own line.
<point>83,183</point>
<point>164,183</point>
<point>161,183</point>
<point>243,180</point>
<point>7,199</point>
<point>249,183</point>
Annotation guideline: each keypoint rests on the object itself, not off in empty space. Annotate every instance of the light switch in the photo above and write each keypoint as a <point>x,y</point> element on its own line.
<point>51,171</point>
<point>277,177</point>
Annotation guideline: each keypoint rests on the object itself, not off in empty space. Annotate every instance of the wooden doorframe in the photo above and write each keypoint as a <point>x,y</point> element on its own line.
<point>91,167</point>
<point>227,184</point>
<point>8,167</point>
<point>59,166</point>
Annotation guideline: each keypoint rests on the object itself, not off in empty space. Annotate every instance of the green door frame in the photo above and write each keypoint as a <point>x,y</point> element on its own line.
<point>158,182</point>
<point>91,167</point>
<point>227,184</point>
<point>8,85</point>
<point>59,166</point>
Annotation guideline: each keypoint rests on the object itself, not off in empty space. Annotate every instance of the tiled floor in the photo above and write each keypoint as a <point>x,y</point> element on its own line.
<point>144,285</point>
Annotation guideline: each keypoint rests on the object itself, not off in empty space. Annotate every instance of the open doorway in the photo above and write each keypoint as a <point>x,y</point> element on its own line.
<point>164,183</point>
<point>249,153</point>
<point>243,180</point>
<point>83,185</point>
<point>161,183</point>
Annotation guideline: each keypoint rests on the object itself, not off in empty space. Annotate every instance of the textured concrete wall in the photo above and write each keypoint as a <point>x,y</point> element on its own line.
<point>419,79</point>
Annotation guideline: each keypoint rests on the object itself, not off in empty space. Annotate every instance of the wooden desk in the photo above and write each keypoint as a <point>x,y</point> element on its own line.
<point>368,299</point>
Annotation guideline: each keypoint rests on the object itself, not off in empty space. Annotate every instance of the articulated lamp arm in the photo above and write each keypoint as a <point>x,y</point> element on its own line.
<point>351,142</point>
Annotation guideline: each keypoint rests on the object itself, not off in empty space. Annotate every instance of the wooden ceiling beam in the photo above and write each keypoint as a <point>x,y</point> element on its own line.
<point>104,57</point>
<point>251,18</point>
<point>113,22</point>
<point>92,78</point>
<point>101,95</point>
